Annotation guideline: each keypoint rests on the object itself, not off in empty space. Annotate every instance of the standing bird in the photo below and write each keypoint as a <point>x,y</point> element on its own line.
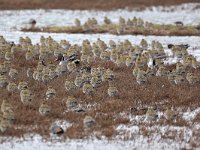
<point>26,97</point>
<point>44,109</point>
<point>32,22</point>
<point>59,58</point>
<point>6,106</point>
<point>9,115</point>
<point>141,77</point>
<point>4,125</point>
<point>179,23</point>
<point>88,122</point>
<point>78,81</point>
<point>151,114</point>
<point>3,81</point>
<point>22,85</point>
<point>50,93</point>
<point>169,114</point>
<point>12,87</point>
<point>69,85</point>
<point>192,78</point>
<point>88,88</point>
<point>13,73</point>
<point>77,22</point>
<point>112,90</point>
<point>71,102</point>
<point>107,20</point>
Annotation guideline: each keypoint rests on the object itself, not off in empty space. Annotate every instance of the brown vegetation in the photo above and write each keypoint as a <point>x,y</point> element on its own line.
<point>157,92</point>
<point>158,30</point>
<point>87,4</point>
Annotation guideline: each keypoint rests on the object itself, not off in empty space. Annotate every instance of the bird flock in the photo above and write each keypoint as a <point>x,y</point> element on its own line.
<point>57,59</point>
<point>123,26</point>
<point>92,24</point>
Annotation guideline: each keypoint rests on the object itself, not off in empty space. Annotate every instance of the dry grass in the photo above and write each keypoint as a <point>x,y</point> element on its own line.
<point>157,92</point>
<point>87,4</point>
<point>158,30</point>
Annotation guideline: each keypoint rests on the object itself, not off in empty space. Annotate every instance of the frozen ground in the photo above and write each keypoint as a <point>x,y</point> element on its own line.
<point>11,21</point>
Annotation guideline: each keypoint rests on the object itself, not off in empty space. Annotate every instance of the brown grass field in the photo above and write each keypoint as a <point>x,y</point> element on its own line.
<point>86,4</point>
<point>133,99</point>
<point>157,30</point>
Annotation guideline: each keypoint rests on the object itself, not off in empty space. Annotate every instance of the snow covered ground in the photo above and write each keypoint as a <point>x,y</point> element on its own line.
<point>129,137</point>
<point>140,142</point>
<point>16,19</point>
<point>12,21</point>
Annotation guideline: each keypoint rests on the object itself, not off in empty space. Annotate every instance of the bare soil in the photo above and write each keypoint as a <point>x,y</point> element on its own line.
<point>87,4</point>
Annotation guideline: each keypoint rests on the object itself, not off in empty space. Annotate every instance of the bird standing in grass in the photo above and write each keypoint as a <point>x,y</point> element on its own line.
<point>13,73</point>
<point>3,81</point>
<point>169,114</point>
<point>4,125</point>
<point>12,87</point>
<point>86,77</point>
<point>179,80</point>
<point>108,75</point>
<point>77,22</point>
<point>3,69</point>
<point>71,66</point>
<point>32,22</point>
<point>69,85</point>
<point>9,115</point>
<point>107,20</point>
<point>22,85</point>
<point>26,97</point>
<point>171,76</point>
<point>120,29</point>
<point>6,106</point>
<point>105,55</point>
<point>78,81</point>
<point>141,77</point>
<point>151,114</point>
<point>29,55</point>
<point>162,71</point>
<point>144,44</point>
<point>95,81</point>
<point>88,88</point>
<point>192,78</point>
<point>112,90</point>
<point>9,55</point>
<point>50,93</point>
<point>88,122</point>
<point>46,78</point>
<point>44,109</point>
<point>71,102</point>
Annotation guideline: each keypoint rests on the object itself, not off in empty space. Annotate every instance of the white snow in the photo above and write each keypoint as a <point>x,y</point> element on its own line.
<point>190,115</point>
<point>138,142</point>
